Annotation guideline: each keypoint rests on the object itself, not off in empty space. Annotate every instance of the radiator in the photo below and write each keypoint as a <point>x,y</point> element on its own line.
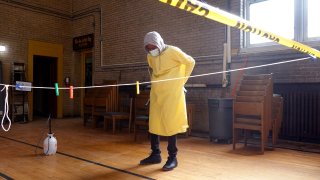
<point>301,112</point>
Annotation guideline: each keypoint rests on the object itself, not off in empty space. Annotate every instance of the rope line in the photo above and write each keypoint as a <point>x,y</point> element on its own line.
<point>6,86</point>
<point>163,80</point>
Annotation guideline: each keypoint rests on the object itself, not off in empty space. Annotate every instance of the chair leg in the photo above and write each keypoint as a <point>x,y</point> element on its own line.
<point>129,126</point>
<point>262,142</point>
<point>105,123</point>
<point>266,139</point>
<point>234,138</point>
<point>84,120</point>
<point>276,136</point>
<point>94,122</point>
<point>245,137</point>
<point>135,132</point>
<point>273,137</point>
<point>113,125</point>
<point>273,133</point>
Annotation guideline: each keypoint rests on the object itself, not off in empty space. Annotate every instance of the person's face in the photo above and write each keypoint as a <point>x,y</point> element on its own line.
<point>150,47</point>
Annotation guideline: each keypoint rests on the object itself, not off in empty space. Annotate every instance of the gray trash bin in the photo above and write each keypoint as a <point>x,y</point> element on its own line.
<point>220,119</point>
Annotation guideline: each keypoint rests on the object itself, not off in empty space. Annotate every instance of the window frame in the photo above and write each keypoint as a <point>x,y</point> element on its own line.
<point>300,29</point>
<point>305,24</point>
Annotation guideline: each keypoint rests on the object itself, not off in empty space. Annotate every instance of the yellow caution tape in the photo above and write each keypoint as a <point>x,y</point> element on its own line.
<point>223,17</point>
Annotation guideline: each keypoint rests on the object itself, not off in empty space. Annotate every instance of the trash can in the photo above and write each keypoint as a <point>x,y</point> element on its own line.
<point>220,119</point>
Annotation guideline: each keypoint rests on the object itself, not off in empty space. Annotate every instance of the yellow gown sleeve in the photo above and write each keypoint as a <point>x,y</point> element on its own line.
<point>150,69</point>
<point>187,60</point>
<point>149,63</point>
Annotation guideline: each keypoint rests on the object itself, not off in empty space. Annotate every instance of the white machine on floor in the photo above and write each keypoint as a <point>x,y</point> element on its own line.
<point>50,143</point>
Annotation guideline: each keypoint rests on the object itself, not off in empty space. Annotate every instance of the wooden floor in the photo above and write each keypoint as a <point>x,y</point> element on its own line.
<point>87,153</point>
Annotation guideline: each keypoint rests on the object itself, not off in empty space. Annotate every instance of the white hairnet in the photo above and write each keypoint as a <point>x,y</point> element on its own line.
<point>155,39</point>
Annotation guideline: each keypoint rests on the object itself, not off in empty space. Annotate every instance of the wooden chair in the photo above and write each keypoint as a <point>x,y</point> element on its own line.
<point>252,107</point>
<point>100,104</point>
<point>277,113</point>
<point>106,100</point>
<point>141,112</point>
<point>112,95</point>
<point>124,113</point>
<point>88,102</point>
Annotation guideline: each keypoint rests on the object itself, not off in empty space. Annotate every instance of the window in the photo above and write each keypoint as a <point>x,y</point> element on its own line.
<point>313,18</point>
<point>293,19</point>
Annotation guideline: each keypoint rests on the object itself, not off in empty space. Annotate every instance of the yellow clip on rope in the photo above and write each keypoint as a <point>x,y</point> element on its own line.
<point>138,87</point>
<point>226,18</point>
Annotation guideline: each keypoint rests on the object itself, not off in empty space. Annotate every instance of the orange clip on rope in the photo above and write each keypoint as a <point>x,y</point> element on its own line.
<point>71,92</point>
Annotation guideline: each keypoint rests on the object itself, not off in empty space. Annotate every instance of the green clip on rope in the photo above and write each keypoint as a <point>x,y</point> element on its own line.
<point>57,88</point>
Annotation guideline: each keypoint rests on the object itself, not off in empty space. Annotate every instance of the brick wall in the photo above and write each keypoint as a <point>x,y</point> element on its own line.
<point>124,24</point>
<point>20,23</point>
<point>62,6</point>
<point>80,5</point>
<point>306,71</point>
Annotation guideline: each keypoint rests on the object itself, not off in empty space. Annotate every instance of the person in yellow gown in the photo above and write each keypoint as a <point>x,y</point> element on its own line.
<point>168,115</point>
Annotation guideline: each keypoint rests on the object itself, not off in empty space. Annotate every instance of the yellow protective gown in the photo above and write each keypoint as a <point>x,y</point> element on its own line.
<point>168,114</point>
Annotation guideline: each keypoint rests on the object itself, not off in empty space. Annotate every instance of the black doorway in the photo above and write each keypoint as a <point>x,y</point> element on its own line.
<point>44,75</point>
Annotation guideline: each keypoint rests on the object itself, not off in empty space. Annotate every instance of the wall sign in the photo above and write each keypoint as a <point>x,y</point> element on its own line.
<point>83,42</point>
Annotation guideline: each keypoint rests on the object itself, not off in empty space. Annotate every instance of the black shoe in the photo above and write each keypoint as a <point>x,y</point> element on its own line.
<point>152,159</point>
<point>170,164</point>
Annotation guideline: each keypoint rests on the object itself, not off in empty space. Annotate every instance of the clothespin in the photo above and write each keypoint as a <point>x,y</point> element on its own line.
<point>57,88</point>
<point>138,87</point>
<point>71,92</point>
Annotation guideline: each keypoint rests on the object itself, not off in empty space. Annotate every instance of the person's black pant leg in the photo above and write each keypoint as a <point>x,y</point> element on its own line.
<point>155,144</point>
<point>172,146</point>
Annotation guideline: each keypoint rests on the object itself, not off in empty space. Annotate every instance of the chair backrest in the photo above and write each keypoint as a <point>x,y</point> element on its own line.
<point>107,97</point>
<point>124,102</point>
<point>248,108</point>
<point>88,99</point>
<point>251,93</point>
<point>112,96</point>
<point>141,104</point>
<point>90,92</point>
<point>257,86</point>
<point>254,98</point>
<point>104,101</point>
